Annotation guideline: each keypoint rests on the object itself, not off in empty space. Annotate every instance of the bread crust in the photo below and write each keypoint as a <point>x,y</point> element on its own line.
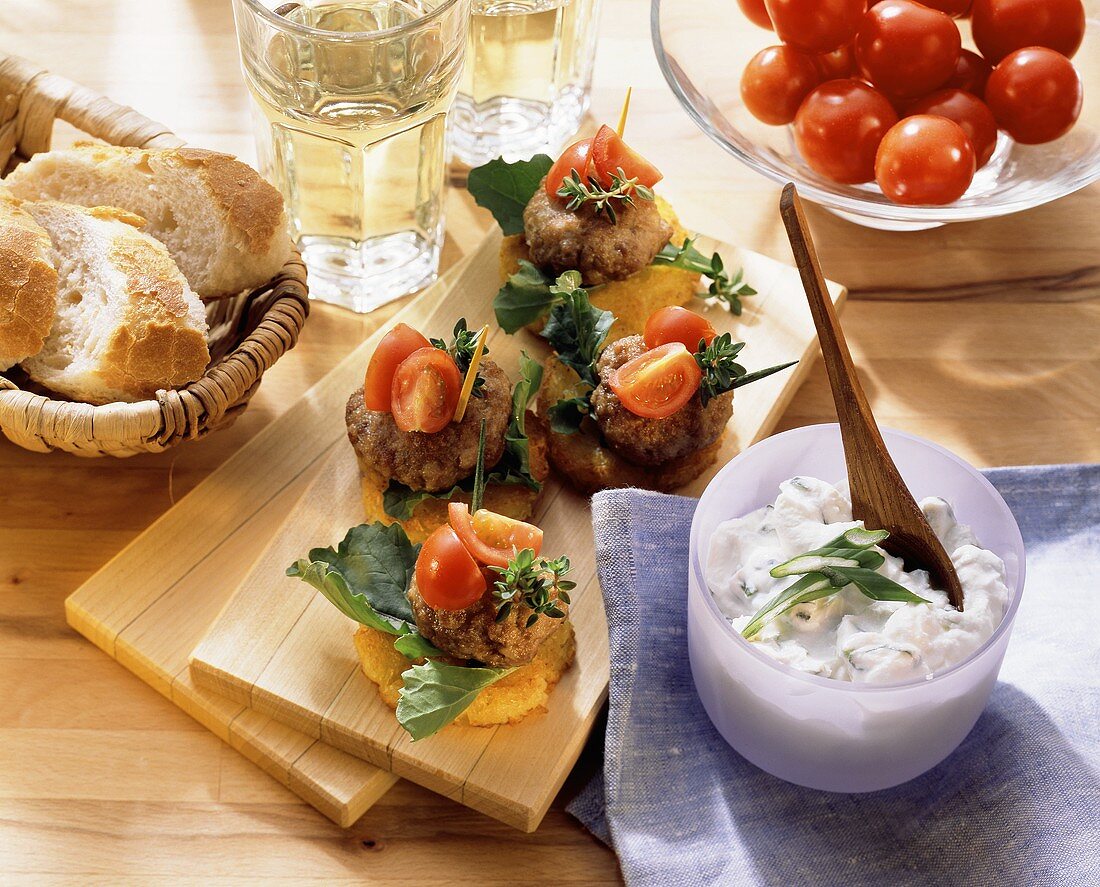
<point>242,216</point>
<point>28,283</point>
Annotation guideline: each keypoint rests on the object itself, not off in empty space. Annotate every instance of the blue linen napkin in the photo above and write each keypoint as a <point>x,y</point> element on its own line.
<point>1018,803</point>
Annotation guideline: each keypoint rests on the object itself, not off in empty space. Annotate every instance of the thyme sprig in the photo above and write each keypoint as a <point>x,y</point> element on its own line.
<point>724,287</point>
<point>537,583</point>
<point>849,559</point>
<point>578,191</point>
<point>461,348</point>
<point>722,372</point>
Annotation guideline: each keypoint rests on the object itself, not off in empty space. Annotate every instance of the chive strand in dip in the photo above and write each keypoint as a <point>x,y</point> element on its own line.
<point>795,581</point>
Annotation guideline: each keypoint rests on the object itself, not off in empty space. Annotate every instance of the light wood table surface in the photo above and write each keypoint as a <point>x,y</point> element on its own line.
<point>985,337</point>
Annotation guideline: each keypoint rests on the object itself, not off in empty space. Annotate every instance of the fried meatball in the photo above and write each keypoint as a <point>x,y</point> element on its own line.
<point>474,633</point>
<point>437,461</point>
<point>653,441</point>
<point>560,239</point>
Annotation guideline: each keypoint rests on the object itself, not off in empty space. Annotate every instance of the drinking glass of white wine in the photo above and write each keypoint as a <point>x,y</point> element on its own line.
<point>527,79</point>
<point>350,101</point>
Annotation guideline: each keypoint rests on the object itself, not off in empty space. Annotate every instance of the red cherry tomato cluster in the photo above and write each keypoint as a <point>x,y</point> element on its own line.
<point>883,90</point>
<point>418,383</point>
<point>453,569</point>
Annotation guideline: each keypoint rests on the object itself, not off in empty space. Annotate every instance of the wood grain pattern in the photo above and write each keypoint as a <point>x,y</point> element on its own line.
<point>287,653</point>
<point>980,336</point>
<point>880,497</point>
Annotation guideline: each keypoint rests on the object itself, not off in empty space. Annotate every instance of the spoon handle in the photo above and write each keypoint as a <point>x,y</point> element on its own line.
<point>880,497</point>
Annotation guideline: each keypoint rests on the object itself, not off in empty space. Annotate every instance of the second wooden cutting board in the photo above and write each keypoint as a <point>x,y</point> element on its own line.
<point>285,651</point>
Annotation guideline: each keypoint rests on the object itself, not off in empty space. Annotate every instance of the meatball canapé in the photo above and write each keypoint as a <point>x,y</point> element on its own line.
<point>583,240</point>
<point>653,441</point>
<point>474,633</point>
<point>436,461</point>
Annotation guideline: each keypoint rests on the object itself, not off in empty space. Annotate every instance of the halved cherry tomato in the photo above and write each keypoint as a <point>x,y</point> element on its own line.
<point>493,539</point>
<point>575,157</point>
<point>658,383</point>
<point>447,576</point>
<point>610,154</point>
<point>1003,26</point>
<point>425,391</point>
<point>395,346</point>
<point>1035,94</point>
<point>675,324</point>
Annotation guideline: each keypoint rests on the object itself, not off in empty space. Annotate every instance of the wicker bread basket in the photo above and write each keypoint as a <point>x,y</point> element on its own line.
<point>248,332</point>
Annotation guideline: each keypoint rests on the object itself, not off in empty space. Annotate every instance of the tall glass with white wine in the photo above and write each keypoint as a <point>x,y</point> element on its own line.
<point>350,105</point>
<point>527,78</point>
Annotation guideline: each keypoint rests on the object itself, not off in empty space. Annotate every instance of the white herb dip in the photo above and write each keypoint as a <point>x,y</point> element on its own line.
<point>848,636</point>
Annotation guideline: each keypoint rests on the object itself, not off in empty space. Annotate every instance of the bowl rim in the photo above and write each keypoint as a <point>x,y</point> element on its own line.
<point>866,208</point>
<point>738,642</point>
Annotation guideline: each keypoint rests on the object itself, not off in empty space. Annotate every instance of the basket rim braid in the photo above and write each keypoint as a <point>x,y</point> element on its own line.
<point>248,332</point>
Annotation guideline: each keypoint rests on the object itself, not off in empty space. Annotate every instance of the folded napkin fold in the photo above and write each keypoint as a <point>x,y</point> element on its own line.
<point>1017,804</point>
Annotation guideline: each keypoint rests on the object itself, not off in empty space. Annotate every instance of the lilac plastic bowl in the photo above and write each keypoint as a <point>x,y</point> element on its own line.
<point>816,731</point>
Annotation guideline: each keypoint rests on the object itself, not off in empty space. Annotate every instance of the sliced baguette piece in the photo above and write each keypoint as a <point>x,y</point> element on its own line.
<point>127,322</point>
<point>224,224</point>
<point>28,283</point>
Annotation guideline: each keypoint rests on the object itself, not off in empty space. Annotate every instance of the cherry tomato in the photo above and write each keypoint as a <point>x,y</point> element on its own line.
<point>775,81</point>
<point>967,110</point>
<point>971,73</point>
<point>575,157</point>
<point>815,26</point>
<point>838,64</point>
<point>924,161</point>
<point>395,346</point>
<point>610,154</point>
<point>838,128</point>
<point>1001,26</point>
<point>493,539</point>
<point>425,391</point>
<point>447,576</point>
<point>656,384</point>
<point>756,13</point>
<point>1035,94</point>
<point>953,8</point>
<point>675,324</point>
<point>905,49</point>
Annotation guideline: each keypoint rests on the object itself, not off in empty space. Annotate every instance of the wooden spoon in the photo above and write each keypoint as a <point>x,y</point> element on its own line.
<point>879,496</point>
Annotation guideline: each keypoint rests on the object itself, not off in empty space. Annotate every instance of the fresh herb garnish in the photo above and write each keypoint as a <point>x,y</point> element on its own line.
<point>366,576</point>
<point>576,330</point>
<point>514,467</point>
<point>726,289</point>
<point>577,192</point>
<point>505,188</point>
<point>846,560</point>
<point>435,693</point>
<point>722,372</point>
<point>524,298</point>
<point>462,347</point>
<point>533,582</point>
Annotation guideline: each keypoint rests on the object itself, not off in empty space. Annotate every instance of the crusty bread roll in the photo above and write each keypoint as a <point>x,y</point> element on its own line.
<point>28,283</point>
<point>127,322</point>
<point>222,222</point>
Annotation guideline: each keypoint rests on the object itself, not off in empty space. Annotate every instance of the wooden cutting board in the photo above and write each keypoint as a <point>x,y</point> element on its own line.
<point>287,653</point>
<point>152,603</point>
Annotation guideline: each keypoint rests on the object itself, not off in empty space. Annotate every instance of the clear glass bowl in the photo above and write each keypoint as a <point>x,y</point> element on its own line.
<point>703,45</point>
<point>815,731</point>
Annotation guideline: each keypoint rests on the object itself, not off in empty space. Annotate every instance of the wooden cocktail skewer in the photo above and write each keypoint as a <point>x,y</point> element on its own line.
<point>880,497</point>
